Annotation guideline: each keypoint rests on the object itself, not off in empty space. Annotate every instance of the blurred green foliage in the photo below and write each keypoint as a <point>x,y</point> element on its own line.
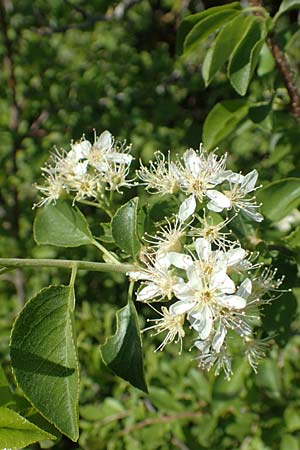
<point>71,67</point>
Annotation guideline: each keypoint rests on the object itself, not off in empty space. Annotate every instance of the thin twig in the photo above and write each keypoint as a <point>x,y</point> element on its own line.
<point>282,65</point>
<point>160,419</point>
<point>66,264</point>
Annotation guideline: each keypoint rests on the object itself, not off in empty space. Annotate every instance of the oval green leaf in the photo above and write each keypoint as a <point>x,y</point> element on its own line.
<point>190,21</point>
<point>285,6</point>
<point>62,225</point>
<point>44,358</point>
<point>245,56</point>
<point>122,352</point>
<point>206,26</point>
<point>223,46</point>
<point>222,120</point>
<point>279,198</point>
<point>16,431</point>
<point>125,228</point>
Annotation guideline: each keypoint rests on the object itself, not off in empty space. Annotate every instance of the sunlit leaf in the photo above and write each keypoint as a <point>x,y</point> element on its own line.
<point>245,57</point>
<point>44,359</point>
<point>279,198</point>
<point>206,26</point>
<point>223,46</point>
<point>125,228</point>
<point>190,21</point>
<point>61,224</point>
<point>16,431</point>
<point>285,6</point>
<point>222,120</point>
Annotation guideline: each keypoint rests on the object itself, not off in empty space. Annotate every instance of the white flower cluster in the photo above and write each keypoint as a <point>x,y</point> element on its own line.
<point>205,275</point>
<point>202,177</point>
<point>87,170</point>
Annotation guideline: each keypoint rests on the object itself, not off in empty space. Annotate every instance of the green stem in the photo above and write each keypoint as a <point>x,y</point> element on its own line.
<point>73,275</point>
<point>66,264</point>
<point>105,252</point>
<point>97,205</point>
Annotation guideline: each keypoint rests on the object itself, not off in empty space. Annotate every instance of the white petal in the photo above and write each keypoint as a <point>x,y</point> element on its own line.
<point>194,277</point>
<point>177,174</point>
<point>179,260</point>
<point>219,199</point>
<point>253,214</point>
<point>192,162</point>
<point>245,288</point>
<point>148,292</point>
<point>205,323</point>
<point>80,169</point>
<point>219,338</point>
<point>162,261</point>
<point>203,249</point>
<point>139,275</point>
<point>81,149</point>
<point>229,175</point>
<point>228,286</point>
<point>104,141</point>
<point>213,207</point>
<point>184,292</point>
<point>187,208</point>
<point>249,181</point>
<point>203,346</point>
<point>232,301</point>
<point>181,307</point>
<point>218,278</point>
<point>235,255</point>
<point>120,158</point>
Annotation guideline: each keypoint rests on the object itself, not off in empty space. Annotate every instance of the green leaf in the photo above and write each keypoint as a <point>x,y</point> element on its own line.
<point>245,56</point>
<point>277,317</point>
<point>206,26</point>
<point>289,442</point>
<point>16,431</point>
<point>62,225</point>
<point>44,358</point>
<point>223,46</point>
<point>222,120</point>
<point>269,378</point>
<point>125,228</point>
<point>190,21</point>
<point>122,352</point>
<point>292,418</point>
<point>285,6</point>
<point>279,198</point>
<point>258,113</point>
<point>266,61</point>
<point>6,396</point>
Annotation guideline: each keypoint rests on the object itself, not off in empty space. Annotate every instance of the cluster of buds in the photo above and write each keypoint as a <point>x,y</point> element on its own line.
<point>208,282</point>
<point>87,170</point>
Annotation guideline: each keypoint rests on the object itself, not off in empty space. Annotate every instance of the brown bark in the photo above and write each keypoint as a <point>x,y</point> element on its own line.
<point>283,67</point>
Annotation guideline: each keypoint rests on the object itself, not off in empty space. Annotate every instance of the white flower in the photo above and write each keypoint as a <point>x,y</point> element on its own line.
<point>104,152</point>
<point>115,177</point>
<point>158,280</point>
<point>212,231</point>
<point>53,188</point>
<point>171,323</point>
<point>168,238</point>
<point>161,175</point>
<point>237,197</point>
<point>198,177</point>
